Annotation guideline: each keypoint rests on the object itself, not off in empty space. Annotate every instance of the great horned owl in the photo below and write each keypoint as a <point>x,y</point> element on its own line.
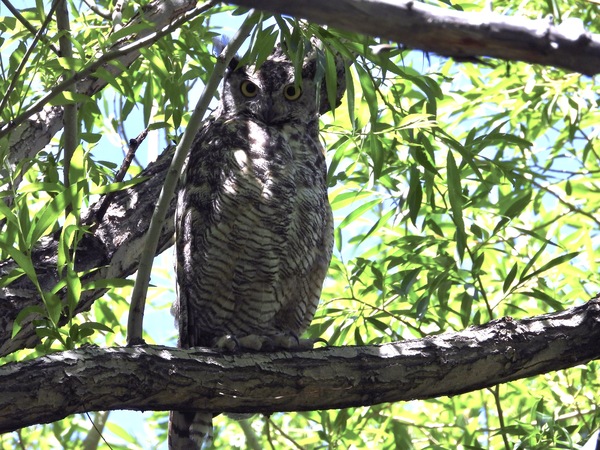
<point>254,225</point>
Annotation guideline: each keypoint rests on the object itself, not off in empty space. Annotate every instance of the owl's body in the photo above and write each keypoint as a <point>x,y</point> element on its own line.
<point>254,225</point>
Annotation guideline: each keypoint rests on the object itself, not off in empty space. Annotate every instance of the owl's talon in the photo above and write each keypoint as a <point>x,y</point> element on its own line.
<point>267,343</point>
<point>293,342</point>
<point>253,342</point>
<point>228,342</point>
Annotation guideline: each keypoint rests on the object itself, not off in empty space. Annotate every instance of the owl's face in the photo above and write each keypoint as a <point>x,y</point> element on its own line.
<point>271,94</point>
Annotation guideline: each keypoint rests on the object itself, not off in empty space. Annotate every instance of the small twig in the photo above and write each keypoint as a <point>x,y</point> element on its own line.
<point>285,435</point>
<point>104,13</point>
<point>133,146</point>
<point>93,438</point>
<point>495,390</point>
<point>71,125</point>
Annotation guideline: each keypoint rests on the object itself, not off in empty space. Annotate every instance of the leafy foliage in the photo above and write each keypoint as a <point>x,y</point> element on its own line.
<point>462,193</point>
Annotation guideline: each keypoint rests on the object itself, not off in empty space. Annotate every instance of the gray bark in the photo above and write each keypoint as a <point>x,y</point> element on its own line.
<point>160,378</point>
<point>450,32</point>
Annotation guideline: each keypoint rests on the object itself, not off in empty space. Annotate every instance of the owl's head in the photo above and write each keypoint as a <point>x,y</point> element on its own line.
<point>271,93</point>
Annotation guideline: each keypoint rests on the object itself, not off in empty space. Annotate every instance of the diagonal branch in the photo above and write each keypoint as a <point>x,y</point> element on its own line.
<point>160,378</point>
<point>450,32</point>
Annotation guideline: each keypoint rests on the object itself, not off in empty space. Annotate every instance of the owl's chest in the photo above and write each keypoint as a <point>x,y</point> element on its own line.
<point>271,155</point>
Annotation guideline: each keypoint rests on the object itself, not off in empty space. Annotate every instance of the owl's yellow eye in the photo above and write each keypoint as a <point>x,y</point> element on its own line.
<point>249,89</point>
<point>292,92</point>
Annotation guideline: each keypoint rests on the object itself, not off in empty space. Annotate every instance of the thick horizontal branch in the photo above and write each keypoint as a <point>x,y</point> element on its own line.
<point>450,32</point>
<point>159,378</point>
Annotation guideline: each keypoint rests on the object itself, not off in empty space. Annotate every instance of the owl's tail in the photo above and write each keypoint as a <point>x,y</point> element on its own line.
<point>190,431</point>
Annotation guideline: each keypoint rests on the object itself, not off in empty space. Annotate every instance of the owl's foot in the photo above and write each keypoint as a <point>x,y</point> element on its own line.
<point>256,342</point>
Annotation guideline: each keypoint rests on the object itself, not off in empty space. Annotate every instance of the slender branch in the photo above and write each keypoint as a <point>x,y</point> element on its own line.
<point>93,379</point>
<point>15,12</point>
<point>94,435</point>
<point>495,390</point>
<point>120,176</point>
<point>138,297</point>
<point>104,13</point>
<point>571,207</point>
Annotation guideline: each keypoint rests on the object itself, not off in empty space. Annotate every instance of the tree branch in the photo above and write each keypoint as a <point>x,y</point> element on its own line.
<point>160,378</point>
<point>450,32</point>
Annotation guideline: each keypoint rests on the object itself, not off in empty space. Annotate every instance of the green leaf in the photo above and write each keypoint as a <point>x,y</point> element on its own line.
<point>466,306</point>
<point>68,98</point>
<point>377,154</point>
<point>359,211</point>
<point>553,263</point>
<point>331,79</point>
<point>456,204</point>
<point>68,236</point>
<point>22,259</point>
<point>516,207</point>
<point>114,187</point>
<point>510,277</point>
<point>382,221</point>
<point>53,307</point>
<point>108,283</point>
<point>73,290</point>
<point>415,194</point>
<point>25,313</point>
<point>348,198</point>
<point>8,214</point>
<point>77,166</point>
<point>96,326</point>
<point>13,275</point>
<point>368,90</point>
<point>49,215</point>
<point>531,262</point>
<point>74,64</point>
<point>350,96</point>
<point>127,31</point>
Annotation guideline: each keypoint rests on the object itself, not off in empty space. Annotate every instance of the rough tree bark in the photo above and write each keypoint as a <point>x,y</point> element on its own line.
<point>160,378</point>
<point>450,32</point>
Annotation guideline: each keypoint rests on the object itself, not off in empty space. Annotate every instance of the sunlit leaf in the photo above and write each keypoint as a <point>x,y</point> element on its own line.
<point>456,203</point>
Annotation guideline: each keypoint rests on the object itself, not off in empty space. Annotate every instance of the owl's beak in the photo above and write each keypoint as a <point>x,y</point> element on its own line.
<point>268,111</point>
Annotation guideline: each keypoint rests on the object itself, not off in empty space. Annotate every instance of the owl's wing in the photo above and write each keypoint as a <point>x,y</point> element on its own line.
<point>183,236</point>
